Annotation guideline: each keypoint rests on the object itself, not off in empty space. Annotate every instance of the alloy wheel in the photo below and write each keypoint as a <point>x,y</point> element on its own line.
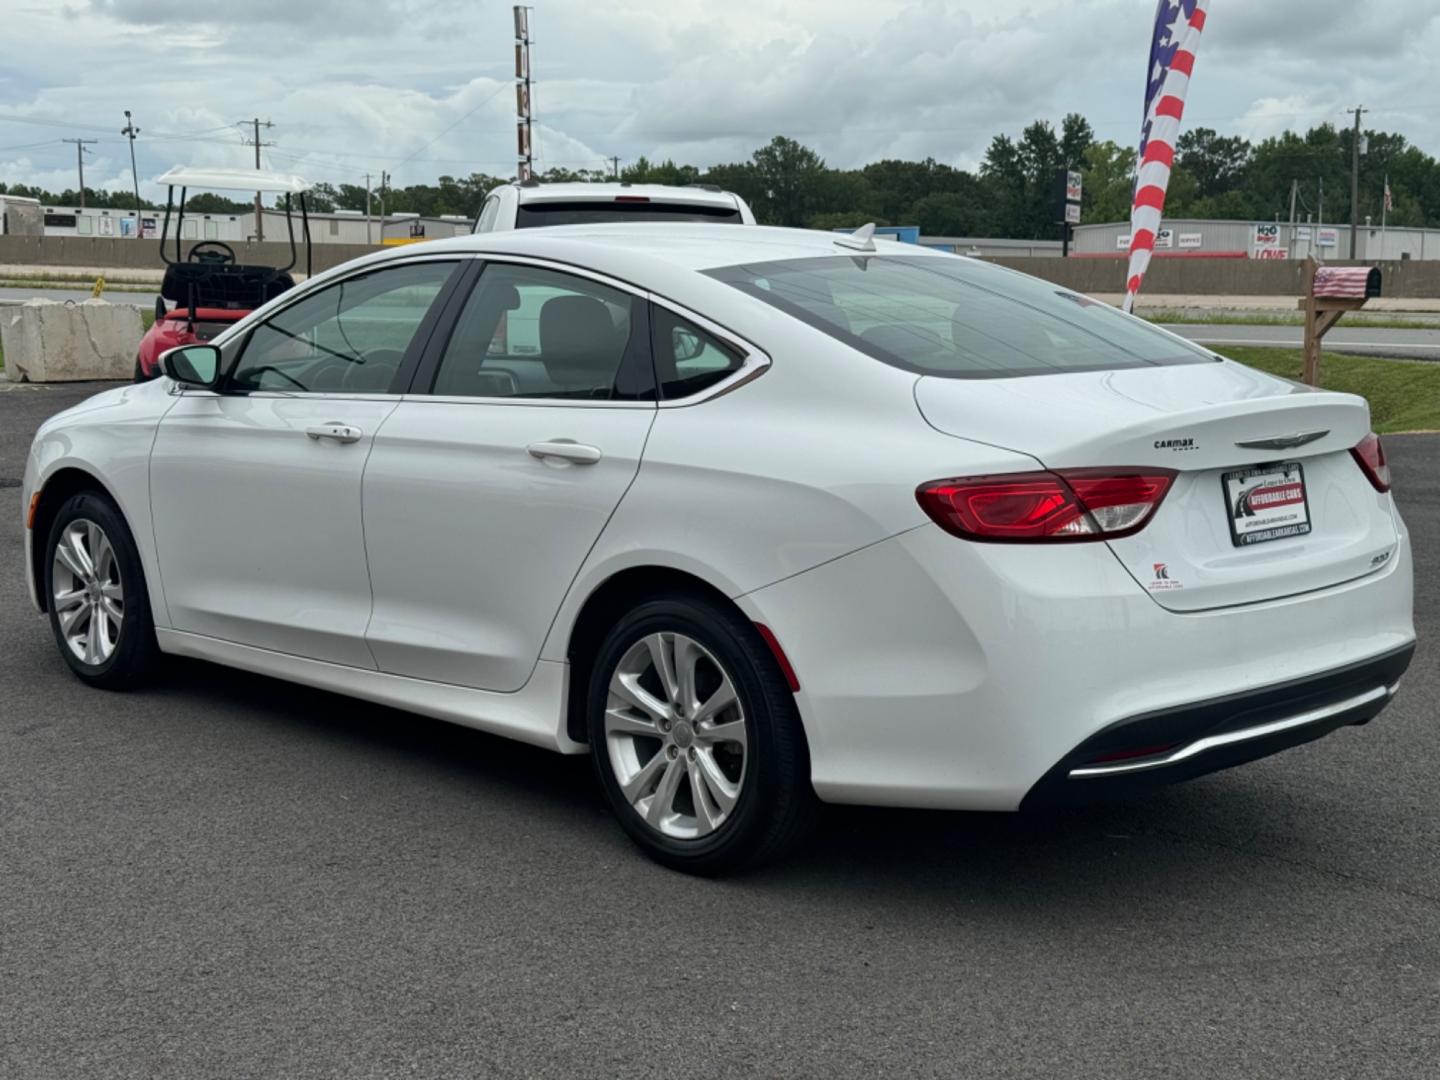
<point>87,594</point>
<point>675,735</point>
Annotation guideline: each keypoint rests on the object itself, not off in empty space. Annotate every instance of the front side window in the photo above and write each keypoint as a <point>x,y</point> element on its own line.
<point>957,319</point>
<point>528,332</point>
<point>346,337</point>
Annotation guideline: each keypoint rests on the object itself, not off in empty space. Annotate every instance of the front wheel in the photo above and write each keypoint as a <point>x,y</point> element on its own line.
<point>696,738</point>
<point>95,587</point>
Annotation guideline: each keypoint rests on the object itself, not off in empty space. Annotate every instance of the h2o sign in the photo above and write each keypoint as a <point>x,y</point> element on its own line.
<point>1267,235</point>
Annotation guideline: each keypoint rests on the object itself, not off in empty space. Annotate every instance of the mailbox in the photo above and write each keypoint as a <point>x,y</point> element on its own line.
<point>1347,283</point>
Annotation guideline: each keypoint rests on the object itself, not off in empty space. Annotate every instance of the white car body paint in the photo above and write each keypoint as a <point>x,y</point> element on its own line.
<point>933,671</point>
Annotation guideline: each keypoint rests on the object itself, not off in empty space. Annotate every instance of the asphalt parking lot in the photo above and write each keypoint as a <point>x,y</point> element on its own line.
<point>227,876</point>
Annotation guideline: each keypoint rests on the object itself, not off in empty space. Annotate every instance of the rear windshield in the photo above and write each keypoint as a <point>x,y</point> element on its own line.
<point>957,319</point>
<point>590,213</point>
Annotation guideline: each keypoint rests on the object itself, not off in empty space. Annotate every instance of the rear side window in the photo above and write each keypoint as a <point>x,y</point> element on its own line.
<point>530,332</point>
<point>531,215</point>
<point>687,359</point>
<point>957,319</point>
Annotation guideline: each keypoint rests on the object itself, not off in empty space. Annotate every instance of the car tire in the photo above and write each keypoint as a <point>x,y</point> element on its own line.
<point>691,796</point>
<point>96,595</point>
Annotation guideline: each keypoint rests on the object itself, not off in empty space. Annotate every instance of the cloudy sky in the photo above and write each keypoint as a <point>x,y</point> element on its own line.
<point>424,87</point>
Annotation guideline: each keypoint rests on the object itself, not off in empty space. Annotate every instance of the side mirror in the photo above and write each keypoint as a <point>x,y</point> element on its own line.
<point>192,365</point>
<point>160,308</point>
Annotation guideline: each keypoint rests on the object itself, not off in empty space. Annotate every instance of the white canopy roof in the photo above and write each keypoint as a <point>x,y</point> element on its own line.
<point>223,179</point>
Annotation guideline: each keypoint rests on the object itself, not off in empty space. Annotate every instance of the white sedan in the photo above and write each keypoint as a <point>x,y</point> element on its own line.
<point>759,518</point>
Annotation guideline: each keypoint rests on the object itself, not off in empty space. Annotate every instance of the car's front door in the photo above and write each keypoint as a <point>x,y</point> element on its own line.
<point>256,490</point>
<point>488,486</point>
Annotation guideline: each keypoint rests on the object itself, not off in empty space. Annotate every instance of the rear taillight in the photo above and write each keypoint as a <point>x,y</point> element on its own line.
<point>1370,456</point>
<point>1068,505</point>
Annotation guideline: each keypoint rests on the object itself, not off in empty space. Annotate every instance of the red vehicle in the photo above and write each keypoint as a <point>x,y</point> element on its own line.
<point>206,289</point>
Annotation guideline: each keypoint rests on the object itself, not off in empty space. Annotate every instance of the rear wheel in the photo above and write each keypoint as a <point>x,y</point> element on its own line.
<point>99,609</point>
<point>696,738</point>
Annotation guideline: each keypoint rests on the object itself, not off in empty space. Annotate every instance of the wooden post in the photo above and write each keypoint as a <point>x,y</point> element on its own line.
<point>1321,315</point>
<point>1312,336</point>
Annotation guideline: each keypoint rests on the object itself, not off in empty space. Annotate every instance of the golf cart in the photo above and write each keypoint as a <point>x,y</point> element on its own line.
<point>206,290</point>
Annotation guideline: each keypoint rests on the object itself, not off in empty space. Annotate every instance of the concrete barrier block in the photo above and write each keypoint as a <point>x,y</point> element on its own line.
<point>48,341</point>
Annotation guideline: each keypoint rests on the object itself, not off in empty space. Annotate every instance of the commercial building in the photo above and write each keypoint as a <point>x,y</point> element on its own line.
<point>1263,239</point>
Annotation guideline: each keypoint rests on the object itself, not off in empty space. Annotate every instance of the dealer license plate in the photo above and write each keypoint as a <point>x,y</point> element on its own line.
<point>1266,503</point>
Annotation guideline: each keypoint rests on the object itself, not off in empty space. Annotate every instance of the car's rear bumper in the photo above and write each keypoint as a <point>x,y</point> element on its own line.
<point>939,673</point>
<point>1192,740</point>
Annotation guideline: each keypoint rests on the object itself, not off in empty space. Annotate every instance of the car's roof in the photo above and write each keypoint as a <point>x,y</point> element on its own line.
<point>662,193</point>
<point>621,247</point>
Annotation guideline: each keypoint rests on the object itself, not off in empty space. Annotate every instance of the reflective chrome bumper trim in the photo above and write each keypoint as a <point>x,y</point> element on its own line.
<point>1230,737</point>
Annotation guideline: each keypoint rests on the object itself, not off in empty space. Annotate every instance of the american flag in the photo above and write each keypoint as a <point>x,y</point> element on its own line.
<point>1178,24</point>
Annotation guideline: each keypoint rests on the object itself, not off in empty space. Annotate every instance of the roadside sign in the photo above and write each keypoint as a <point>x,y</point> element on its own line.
<point>1122,243</point>
<point>1267,235</point>
<point>1302,233</point>
<point>1329,238</point>
<point>1072,213</point>
<point>1165,238</point>
<point>1271,253</point>
<point>1073,186</point>
<point>1191,239</point>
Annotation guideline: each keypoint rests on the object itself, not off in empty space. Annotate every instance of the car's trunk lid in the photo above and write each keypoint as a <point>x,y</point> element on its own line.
<point>1209,422</point>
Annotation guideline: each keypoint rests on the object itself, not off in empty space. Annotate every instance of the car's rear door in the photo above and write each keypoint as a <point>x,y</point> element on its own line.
<point>256,491</point>
<point>491,481</point>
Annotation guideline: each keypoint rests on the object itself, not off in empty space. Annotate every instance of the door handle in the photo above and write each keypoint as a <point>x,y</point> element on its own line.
<point>565,450</point>
<point>335,431</point>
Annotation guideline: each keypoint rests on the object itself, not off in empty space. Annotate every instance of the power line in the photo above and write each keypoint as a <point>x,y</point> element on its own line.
<point>410,157</point>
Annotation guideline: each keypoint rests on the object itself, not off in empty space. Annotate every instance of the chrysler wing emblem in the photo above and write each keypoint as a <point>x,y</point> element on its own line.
<point>1284,442</point>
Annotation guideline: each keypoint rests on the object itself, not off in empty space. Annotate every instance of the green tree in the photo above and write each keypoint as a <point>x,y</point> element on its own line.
<point>1002,175</point>
<point>1109,175</point>
<point>1076,137</point>
<point>789,175</point>
<point>1218,163</point>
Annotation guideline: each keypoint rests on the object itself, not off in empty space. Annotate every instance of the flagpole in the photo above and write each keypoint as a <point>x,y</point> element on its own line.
<point>1384,214</point>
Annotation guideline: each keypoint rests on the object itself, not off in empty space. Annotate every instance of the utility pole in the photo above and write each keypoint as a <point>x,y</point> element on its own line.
<point>368,238</point>
<point>614,166</point>
<point>259,210</point>
<point>130,131</point>
<point>1294,193</point>
<point>80,153</point>
<point>384,181</point>
<point>1355,180</point>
